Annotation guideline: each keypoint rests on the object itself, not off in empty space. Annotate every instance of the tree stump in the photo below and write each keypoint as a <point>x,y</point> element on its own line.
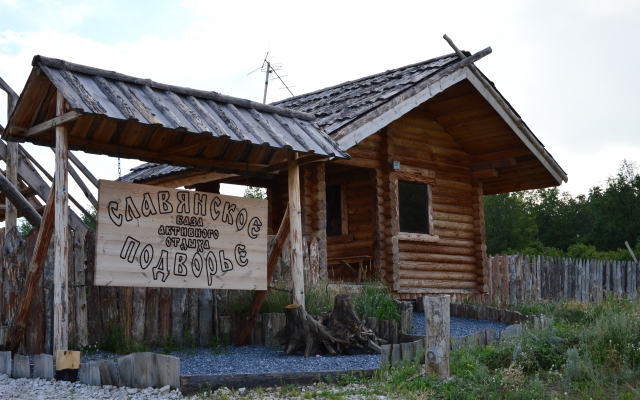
<point>335,332</point>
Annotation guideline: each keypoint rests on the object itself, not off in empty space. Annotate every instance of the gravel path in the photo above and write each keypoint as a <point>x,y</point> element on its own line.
<point>459,326</point>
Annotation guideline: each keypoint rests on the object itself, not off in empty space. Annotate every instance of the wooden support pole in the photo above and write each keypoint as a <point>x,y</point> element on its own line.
<point>33,276</point>
<point>60,279</point>
<point>295,229</point>
<point>11,213</point>
<point>258,299</point>
<point>437,314</point>
<point>76,177</point>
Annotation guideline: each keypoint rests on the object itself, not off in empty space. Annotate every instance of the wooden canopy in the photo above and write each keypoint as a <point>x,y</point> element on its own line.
<point>122,116</point>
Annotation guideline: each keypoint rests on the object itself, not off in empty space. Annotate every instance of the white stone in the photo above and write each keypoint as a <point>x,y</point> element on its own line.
<point>165,389</point>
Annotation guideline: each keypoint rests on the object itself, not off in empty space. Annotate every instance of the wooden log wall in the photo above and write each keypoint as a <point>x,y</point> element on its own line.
<point>517,279</point>
<point>450,264</point>
<point>355,245</point>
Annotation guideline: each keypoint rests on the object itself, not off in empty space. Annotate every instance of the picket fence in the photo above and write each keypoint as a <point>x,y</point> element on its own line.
<point>517,279</point>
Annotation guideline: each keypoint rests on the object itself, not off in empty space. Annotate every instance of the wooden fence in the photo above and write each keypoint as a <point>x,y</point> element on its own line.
<point>515,279</point>
<point>148,316</point>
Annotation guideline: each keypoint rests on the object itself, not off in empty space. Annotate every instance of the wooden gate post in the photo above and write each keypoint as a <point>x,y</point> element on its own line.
<point>437,315</point>
<point>295,229</point>
<point>60,278</point>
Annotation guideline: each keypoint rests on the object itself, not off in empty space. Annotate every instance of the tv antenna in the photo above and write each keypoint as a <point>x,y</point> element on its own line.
<point>268,67</point>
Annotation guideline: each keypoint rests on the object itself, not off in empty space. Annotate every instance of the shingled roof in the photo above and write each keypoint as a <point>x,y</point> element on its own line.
<point>339,105</point>
<point>119,115</point>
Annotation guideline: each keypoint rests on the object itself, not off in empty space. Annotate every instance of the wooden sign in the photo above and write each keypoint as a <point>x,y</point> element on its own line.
<point>152,236</point>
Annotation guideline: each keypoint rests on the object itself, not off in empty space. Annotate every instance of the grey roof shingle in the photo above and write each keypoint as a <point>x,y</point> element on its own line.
<point>99,92</point>
<point>337,106</point>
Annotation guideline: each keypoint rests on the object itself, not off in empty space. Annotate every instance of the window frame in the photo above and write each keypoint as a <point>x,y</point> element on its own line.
<point>427,178</point>
<point>427,205</point>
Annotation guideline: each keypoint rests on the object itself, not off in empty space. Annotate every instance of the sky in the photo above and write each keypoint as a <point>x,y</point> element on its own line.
<point>569,68</point>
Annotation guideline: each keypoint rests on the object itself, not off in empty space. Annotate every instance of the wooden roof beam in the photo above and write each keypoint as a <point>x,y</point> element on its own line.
<point>45,126</point>
<point>503,163</point>
<point>499,154</point>
<point>485,173</point>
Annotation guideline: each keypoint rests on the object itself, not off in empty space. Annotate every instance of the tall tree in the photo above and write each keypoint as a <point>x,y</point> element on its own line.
<point>508,223</point>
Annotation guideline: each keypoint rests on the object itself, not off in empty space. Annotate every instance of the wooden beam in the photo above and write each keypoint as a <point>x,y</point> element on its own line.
<point>485,173</point>
<point>295,230</point>
<point>189,146</point>
<point>34,272</point>
<point>301,161</point>
<point>83,186</point>
<point>83,169</point>
<point>274,256</point>
<point>52,123</point>
<point>502,163</point>
<point>11,159</point>
<point>61,196</point>
<point>17,199</point>
<point>498,155</point>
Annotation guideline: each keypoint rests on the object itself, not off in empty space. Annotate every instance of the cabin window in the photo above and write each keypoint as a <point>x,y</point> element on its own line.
<point>414,207</point>
<point>334,210</point>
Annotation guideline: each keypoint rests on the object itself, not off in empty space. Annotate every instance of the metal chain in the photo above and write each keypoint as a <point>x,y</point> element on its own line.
<point>119,169</point>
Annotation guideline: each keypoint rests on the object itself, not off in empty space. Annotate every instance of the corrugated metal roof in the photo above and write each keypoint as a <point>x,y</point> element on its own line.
<point>337,106</point>
<point>94,91</point>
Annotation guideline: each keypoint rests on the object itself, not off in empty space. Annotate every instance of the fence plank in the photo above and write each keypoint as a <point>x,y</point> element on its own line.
<point>205,312</point>
<point>504,274</point>
<point>152,310</point>
<point>35,323</point>
<point>178,314</point>
<point>164,318</point>
<point>139,314</point>
<point>79,298</point>
<point>192,315</point>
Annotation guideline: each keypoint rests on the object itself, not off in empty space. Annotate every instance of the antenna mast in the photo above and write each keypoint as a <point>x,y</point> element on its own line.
<point>267,67</point>
<point>266,80</point>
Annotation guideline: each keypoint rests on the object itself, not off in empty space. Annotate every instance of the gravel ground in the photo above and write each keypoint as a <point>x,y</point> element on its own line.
<point>459,326</point>
<point>38,389</point>
<point>257,359</point>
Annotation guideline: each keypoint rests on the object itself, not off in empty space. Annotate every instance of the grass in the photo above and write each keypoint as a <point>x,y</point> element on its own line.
<point>372,300</point>
<point>589,351</point>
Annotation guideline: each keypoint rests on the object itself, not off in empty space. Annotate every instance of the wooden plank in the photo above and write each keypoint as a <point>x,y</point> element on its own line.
<point>108,374</point>
<point>66,359</point>
<point>34,274</point>
<point>89,374</point>
<point>164,319</point>
<point>160,237</point>
<point>94,308</point>
<point>21,368</point>
<point>53,123</point>
<point>139,314</point>
<point>152,310</point>
<point>43,366</point>
<point>80,292</point>
<point>205,312</point>
<point>178,314</point>
<point>60,281</point>
<point>193,383</point>
<point>191,328</point>
<point>295,229</point>
<point>11,174</point>
<point>438,336</point>
<point>34,333</point>
<point>5,363</point>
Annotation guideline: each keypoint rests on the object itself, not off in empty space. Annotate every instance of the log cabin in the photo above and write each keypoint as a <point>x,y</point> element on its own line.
<point>427,141</point>
<point>393,166</point>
